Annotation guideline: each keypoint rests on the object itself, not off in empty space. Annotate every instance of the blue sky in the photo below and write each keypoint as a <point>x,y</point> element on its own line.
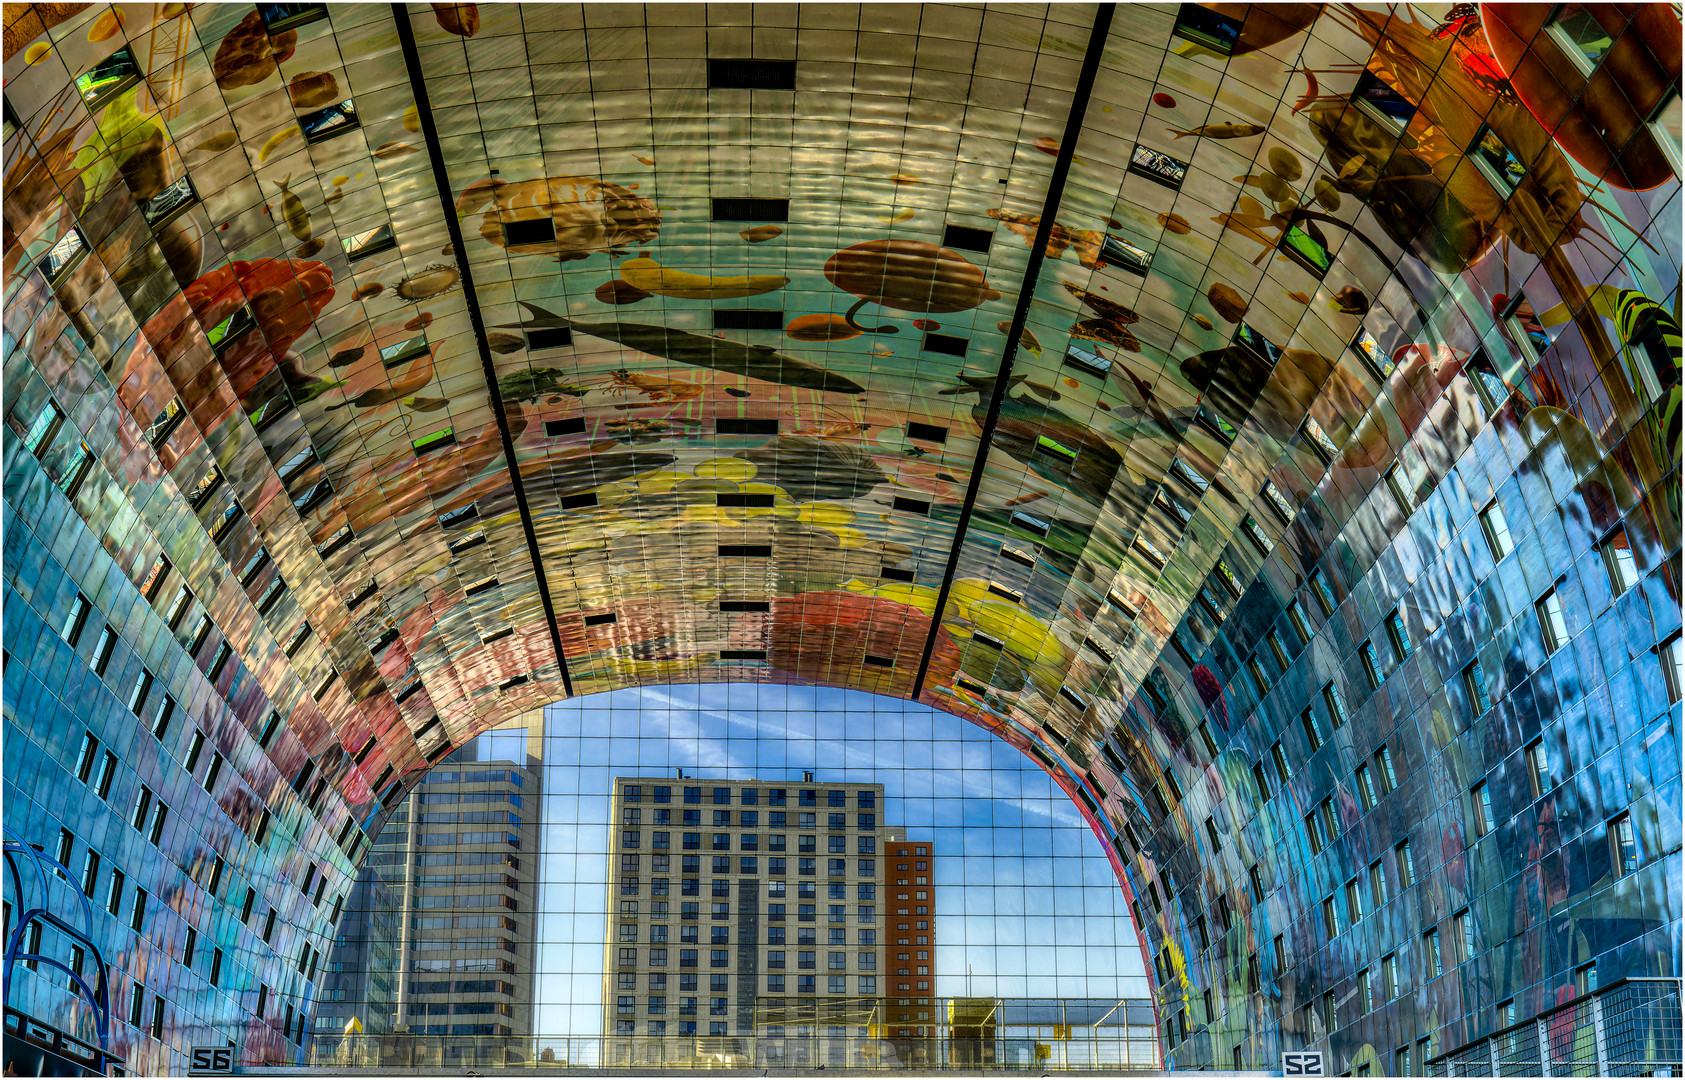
<point>1025,903</point>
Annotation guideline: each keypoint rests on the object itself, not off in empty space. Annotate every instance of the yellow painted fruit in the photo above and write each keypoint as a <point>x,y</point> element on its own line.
<point>37,52</point>
<point>412,119</point>
<point>652,277</point>
<point>726,468</point>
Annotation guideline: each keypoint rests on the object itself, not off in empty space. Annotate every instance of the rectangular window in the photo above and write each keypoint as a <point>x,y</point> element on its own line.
<point>1496,529</point>
<point>1553,626</point>
<point>1279,757</point>
<point>46,426</point>
<point>1538,768</point>
<point>1365,784</point>
<point>1399,634</point>
<point>1324,595</point>
<point>1307,720</point>
<point>1623,845</point>
<point>1433,963</point>
<point>1462,932</point>
<point>1395,486</point>
<point>1498,162</point>
<point>1384,770</point>
<point>1480,802</point>
<point>1618,561</point>
<point>1313,830</point>
<point>1157,166</point>
<point>1371,666</point>
<point>1671,653</point>
<point>1336,706</point>
<point>1377,885</point>
<point>1474,685</point>
<point>1406,864</point>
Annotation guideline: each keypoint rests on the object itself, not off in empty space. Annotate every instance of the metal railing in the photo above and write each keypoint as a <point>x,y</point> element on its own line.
<point>935,1053</point>
<point>1628,1028</point>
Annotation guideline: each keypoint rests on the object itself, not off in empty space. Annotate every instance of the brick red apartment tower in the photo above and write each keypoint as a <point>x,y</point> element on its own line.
<point>910,1019</point>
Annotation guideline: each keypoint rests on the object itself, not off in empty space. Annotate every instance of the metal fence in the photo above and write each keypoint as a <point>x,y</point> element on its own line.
<point>1629,1028</point>
<point>1088,1053</point>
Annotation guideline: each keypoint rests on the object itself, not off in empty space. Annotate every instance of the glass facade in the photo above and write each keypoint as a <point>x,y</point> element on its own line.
<point>492,355</point>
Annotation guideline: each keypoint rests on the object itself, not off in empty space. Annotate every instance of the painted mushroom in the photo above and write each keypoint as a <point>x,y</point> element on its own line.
<point>908,275</point>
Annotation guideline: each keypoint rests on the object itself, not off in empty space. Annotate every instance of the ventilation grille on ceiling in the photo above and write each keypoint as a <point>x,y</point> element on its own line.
<point>751,74</point>
<point>965,238</point>
<point>747,209</point>
<point>748,319</point>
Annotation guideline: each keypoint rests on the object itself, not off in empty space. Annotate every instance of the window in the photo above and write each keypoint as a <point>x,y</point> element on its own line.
<point>1672,656</point>
<point>1618,562</point>
<point>1307,720</point>
<point>1480,801</point>
<point>1377,885</point>
<point>1313,829</point>
<point>1324,595</point>
<point>1462,934</point>
<point>1497,161</point>
<point>1538,768</point>
<point>1406,864</point>
<point>1319,440</point>
<point>1553,626</point>
<point>1158,167</point>
<point>1623,845</point>
<point>1336,706</point>
<point>1381,101</point>
<point>1365,784</point>
<point>1366,990</point>
<point>1383,769</point>
<point>1496,527</point>
<point>1474,684</point>
<point>1279,757</point>
<point>1399,634</point>
<point>1371,667</point>
<point>1369,350</point>
<point>1488,386</point>
<point>41,433</point>
<point>1433,963</point>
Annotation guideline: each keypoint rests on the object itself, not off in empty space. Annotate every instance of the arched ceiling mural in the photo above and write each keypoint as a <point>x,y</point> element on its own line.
<point>954,353</point>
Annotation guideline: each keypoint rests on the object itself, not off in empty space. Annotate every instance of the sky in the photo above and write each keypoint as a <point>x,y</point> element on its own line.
<point>1025,902</point>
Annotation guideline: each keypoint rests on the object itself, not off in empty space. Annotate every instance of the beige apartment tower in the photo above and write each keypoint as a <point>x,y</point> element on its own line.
<point>741,909</point>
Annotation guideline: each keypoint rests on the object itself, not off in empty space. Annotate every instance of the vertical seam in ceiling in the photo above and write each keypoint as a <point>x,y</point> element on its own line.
<point>1026,290</point>
<point>441,178</point>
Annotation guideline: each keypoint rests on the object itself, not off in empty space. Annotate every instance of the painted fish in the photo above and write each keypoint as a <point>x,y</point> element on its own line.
<point>1221,131</point>
<point>1175,223</point>
<point>1299,297</point>
<point>754,361</point>
<point>905,178</point>
<point>1202,322</point>
<point>760,234</point>
<point>292,210</point>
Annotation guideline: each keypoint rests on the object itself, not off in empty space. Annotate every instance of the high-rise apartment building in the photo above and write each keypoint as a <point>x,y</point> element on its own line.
<point>444,941</point>
<point>909,900</point>
<point>747,908</point>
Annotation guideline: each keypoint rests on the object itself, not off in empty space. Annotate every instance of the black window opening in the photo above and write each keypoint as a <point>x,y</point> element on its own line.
<point>761,606</point>
<point>911,506</point>
<point>1374,96</point>
<point>63,257</point>
<point>368,242</point>
<point>1014,555</point>
<point>1497,161</point>
<point>497,635</point>
<point>510,684</point>
<point>403,351</point>
<point>745,551</point>
<point>460,516</point>
<point>281,17</point>
<point>1305,245</point>
<point>549,337</point>
<point>896,573</point>
<point>1087,362</point>
<point>926,432</point>
<point>535,230</point>
<point>582,501</point>
<point>165,205</point>
<point>1118,252</point>
<point>228,331</point>
<point>878,661</point>
<point>1030,524</point>
<point>468,543</point>
<point>946,344</point>
<point>483,585</point>
<point>742,654</point>
<point>745,425</point>
<point>329,122</point>
<point>310,499</point>
<point>748,319</point>
<point>1158,166</point>
<point>751,74</point>
<point>744,498</point>
<point>965,238</point>
<point>166,422</point>
<point>604,618</point>
<point>1369,350</point>
<point>573,425</point>
<point>751,209</point>
<point>1203,26</point>
<point>1268,350</point>
<point>108,78</point>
